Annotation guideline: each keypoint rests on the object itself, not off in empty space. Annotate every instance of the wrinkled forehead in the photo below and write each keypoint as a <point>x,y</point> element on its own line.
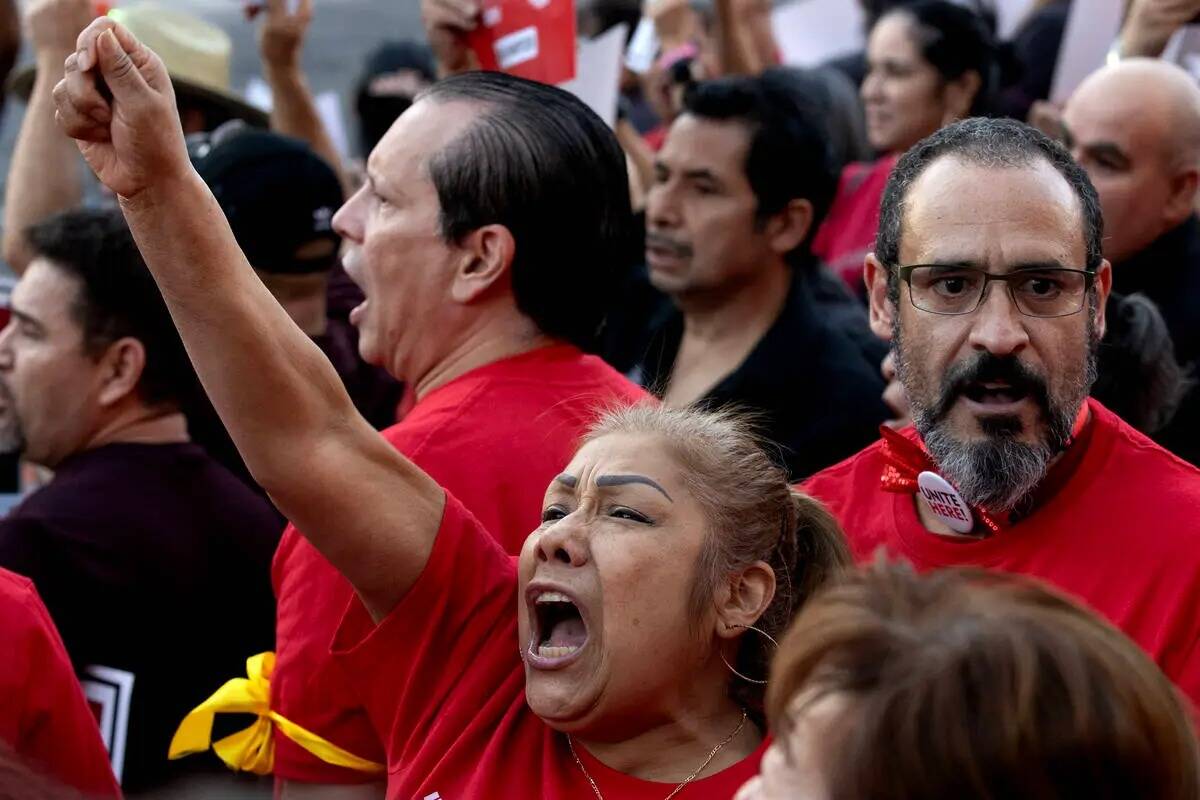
<point>992,216</point>
<point>627,453</point>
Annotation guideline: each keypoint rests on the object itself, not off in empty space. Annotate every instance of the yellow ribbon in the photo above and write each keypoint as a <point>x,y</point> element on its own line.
<point>253,749</point>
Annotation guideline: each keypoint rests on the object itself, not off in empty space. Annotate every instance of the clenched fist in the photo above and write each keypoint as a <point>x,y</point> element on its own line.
<point>116,101</point>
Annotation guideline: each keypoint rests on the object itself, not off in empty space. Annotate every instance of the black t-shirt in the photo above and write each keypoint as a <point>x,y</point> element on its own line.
<point>154,562</point>
<point>813,379</point>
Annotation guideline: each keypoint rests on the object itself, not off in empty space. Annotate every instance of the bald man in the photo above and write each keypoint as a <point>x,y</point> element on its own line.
<point>1135,128</point>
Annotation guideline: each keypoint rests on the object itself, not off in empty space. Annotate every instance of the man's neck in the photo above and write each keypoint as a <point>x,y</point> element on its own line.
<point>719,336</point>
<point>488,343</point>
<point>141,426</point>
<point>728,313</point>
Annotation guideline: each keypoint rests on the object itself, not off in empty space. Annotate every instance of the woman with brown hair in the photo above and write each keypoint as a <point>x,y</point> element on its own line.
<point>968,684</point>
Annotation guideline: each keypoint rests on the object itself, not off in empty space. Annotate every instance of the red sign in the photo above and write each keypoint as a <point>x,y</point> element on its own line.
<point>532,39</point>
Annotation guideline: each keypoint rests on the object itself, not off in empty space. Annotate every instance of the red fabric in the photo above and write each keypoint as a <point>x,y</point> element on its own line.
<point>43,713</point>
<point>848,232</point>
<point>443,677</point>
<point>655,137</point>
<point>1121,535</point>
<point>495,437</point>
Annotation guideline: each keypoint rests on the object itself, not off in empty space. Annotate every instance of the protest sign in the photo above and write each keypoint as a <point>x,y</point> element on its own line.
<point>532,39</point>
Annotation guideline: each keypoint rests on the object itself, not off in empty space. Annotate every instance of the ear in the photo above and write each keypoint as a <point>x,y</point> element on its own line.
<point>958,95</point>
<point>883,310</point>
<point>1182,200</point>
<point>487,256</point>
<point>1103,282</point>
<point>788,228</point>
<point>743,599</point>
<point>121,368</point>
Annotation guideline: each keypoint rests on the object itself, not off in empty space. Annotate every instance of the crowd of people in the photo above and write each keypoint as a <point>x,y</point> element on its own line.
<point>809,433</point>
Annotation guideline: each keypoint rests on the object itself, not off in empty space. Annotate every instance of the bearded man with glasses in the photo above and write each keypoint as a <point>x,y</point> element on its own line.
<point>989,279</point>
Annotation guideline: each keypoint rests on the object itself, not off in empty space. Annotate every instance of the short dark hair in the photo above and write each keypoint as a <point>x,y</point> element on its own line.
<point>117,297</point>
<point>967,683</point>
<point>994,143</point>
<point>956,40</point>
<point>789,155</point>
<point>542,164</point>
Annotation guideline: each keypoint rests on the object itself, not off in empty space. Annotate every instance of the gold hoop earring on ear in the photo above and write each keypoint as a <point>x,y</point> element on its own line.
<point>760,632</point>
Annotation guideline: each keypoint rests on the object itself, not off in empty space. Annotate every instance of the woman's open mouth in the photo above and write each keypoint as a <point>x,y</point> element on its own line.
<point>559,632</point>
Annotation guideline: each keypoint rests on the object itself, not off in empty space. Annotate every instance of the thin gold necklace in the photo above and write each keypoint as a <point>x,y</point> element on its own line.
<point>712,754</point>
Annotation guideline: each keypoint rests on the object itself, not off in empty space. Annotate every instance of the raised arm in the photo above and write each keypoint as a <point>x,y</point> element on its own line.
<point>745,42</point>
<point>44,176</point>
<point>294,110</point>
<point>370,511</point>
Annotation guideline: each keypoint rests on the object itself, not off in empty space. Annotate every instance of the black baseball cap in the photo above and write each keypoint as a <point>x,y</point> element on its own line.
<point>277,194</point>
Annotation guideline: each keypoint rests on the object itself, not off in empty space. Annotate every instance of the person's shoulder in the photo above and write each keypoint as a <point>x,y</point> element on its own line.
<point>1144,462</point>
<point>16,589</point>
<point>21,608</point>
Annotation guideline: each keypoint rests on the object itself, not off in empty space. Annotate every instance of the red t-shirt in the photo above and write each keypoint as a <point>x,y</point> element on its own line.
<point>1122,535</point>
<point>442,676</point>
<point>848,232</point>
<point>494,437</point>
<point>43,714</point>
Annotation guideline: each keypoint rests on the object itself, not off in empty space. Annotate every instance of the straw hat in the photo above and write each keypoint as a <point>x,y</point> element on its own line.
<point>197,55</point>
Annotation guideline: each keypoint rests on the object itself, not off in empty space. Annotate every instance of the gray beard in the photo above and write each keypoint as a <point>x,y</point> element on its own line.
<point>996,474</point>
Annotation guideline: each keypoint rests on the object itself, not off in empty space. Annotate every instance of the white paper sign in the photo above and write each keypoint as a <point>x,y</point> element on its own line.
<point>1092,27</point>
<point>1184,49</point>
<point>1009,15</point>
<point>643,47</point>
<point>810,32</point>
<point>598,72</point>
<point>329,109</point>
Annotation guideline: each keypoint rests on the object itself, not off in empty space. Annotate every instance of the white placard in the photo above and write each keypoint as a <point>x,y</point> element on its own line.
<point>1092,27</point>
<point>598,72</point>
<point>1184,49</point>
<point>643,47</point>
<point>1009,15</point>
<point>810,32</point>
<point>329,109</point>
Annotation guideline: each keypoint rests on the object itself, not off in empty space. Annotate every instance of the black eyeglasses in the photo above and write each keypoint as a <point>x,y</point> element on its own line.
<point>1036,292</point>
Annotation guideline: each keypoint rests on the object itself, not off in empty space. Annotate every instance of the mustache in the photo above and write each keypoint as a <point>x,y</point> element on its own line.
<point>988,368</point>
<point>661,242</point>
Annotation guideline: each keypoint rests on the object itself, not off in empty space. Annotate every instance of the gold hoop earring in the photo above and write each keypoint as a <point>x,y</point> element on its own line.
<point>760,632</point>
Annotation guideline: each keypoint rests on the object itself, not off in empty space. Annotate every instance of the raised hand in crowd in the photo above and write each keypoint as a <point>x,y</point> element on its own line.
<point>294,110</point>
<point>447,23</point>
<point>1151,23</point>
<point>278,395</point>
<point>43,177</point>
<point>134,140</point>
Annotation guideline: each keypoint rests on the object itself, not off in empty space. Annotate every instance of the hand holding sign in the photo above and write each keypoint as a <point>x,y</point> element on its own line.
<point>130,136</point>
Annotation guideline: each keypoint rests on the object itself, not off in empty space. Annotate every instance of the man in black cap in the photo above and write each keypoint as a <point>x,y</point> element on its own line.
<point>279,198</point>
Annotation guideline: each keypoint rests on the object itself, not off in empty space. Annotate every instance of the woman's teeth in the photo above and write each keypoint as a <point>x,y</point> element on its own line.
<point>549,651</point>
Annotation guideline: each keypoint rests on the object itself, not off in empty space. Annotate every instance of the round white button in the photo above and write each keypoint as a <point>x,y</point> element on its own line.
<point>945,502</point>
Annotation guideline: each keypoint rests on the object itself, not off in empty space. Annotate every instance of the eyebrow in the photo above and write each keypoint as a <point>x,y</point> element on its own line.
<point>27,319</point>
<point>1107,149</point>
<point>1020,266</point>
<point>625,480</point>
<point>569,481</point>
<point>701,175</point>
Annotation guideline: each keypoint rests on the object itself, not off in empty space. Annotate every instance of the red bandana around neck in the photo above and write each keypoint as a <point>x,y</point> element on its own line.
<point>905,460</point>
